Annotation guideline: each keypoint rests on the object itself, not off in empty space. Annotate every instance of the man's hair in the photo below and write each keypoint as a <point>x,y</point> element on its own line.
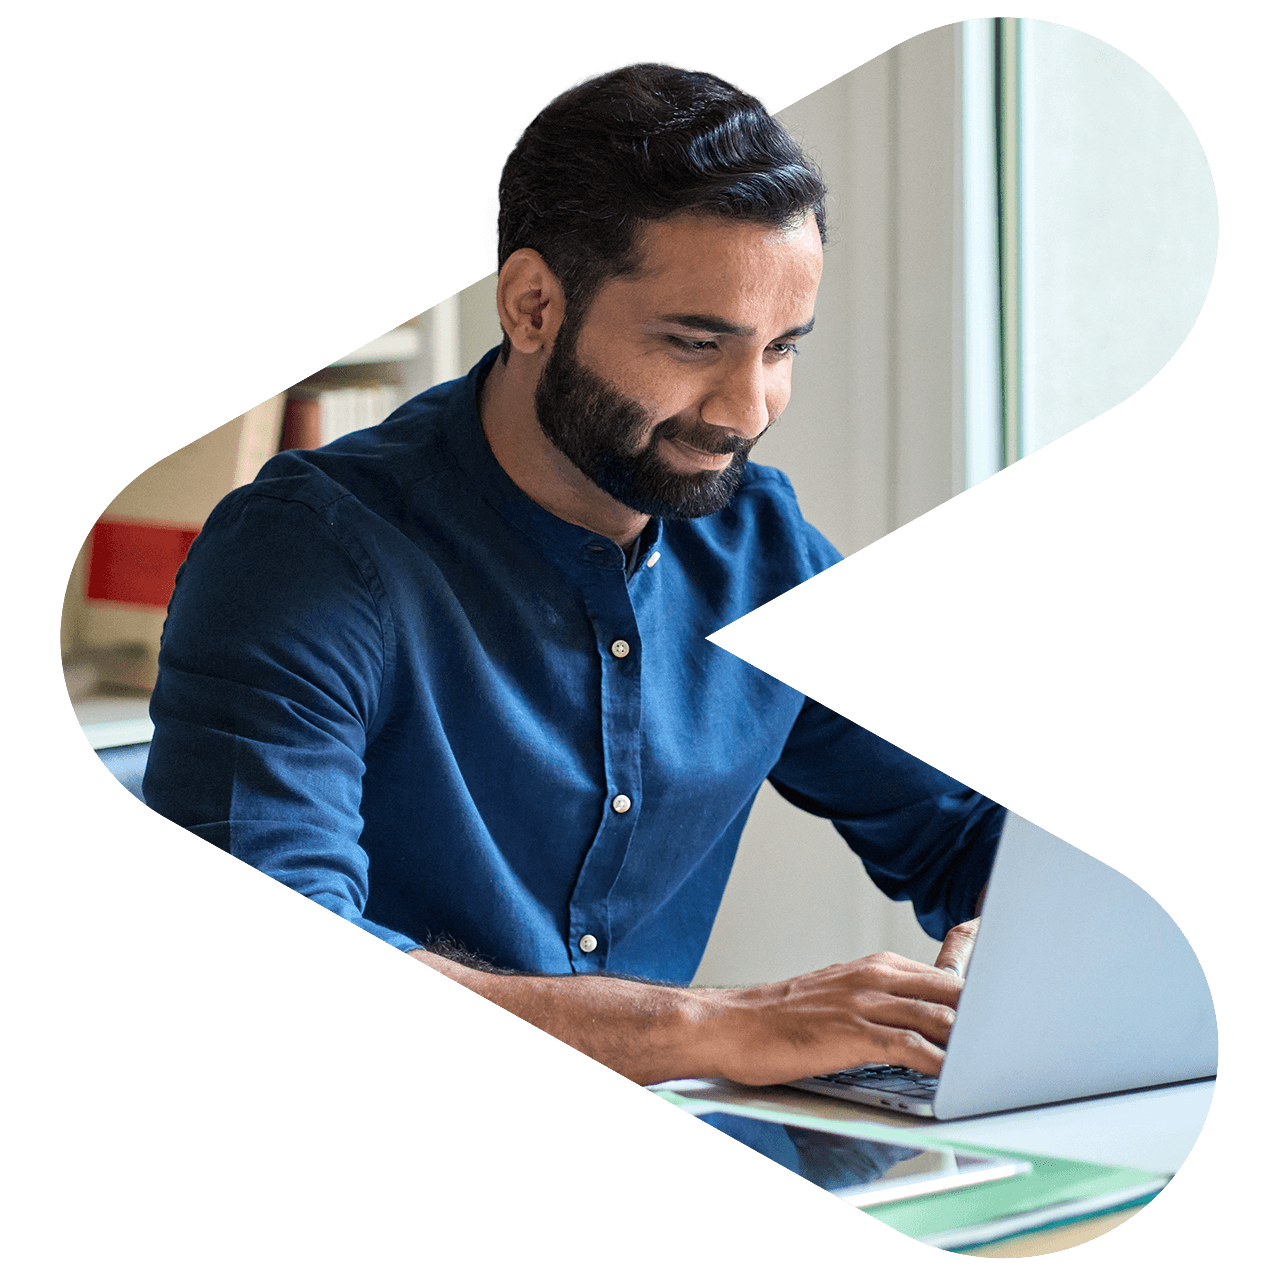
<point>639,144</point>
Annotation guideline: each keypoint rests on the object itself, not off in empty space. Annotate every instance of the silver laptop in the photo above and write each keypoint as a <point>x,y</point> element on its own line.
<point>1079,985</point>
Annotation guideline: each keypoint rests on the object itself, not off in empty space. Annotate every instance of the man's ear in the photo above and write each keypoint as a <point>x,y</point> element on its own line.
<point>530,302</point>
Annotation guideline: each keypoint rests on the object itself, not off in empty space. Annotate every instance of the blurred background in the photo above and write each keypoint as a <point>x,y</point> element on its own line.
<point>1022,231</point>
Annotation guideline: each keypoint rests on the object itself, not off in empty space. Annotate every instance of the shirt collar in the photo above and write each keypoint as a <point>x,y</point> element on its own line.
<point>471,450</point>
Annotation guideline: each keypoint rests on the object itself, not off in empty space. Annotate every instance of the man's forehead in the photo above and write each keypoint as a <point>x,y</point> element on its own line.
<point>669,243</point>
<point>721,266</point>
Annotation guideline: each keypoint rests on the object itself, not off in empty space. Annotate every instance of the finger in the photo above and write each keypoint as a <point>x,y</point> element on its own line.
<point>925,982</point>
<point>954,956</point>
<point>924,1022</point>
<point>902,1048</point>
<point>918,1054</point>
<point>957,948</point>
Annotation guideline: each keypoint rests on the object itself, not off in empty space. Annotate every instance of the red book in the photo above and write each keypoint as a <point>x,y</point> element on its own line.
<point>134,562</point>
<point>301,425</point>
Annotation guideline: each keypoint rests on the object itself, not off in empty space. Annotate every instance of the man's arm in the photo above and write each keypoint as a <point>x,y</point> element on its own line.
<point>883,1008</point>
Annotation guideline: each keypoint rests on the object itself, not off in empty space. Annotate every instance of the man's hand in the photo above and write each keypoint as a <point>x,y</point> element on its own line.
<point>883,1008</point>
<point>957,946</point>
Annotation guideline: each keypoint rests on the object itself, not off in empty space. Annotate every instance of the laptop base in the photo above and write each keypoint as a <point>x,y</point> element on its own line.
<point>877,1085</point>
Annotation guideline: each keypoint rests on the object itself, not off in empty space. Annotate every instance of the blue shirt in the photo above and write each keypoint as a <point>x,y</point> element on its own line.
<point>392,681</point>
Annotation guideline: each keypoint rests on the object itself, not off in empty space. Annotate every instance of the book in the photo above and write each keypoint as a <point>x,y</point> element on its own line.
<point>317,415</point>
<point>1052,1192</point>
<point>119,587</point>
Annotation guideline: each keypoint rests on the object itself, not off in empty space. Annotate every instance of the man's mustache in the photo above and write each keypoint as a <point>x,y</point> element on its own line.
<point>704,438</point>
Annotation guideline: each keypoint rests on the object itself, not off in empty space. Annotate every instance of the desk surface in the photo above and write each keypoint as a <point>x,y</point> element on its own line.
<point>114,720</point>
<point>1152,1129</point>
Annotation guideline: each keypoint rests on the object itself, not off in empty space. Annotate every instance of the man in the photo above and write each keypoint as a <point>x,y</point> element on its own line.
<point>449,676</point>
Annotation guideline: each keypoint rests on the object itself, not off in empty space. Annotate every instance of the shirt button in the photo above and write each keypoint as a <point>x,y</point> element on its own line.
<point>587,943</point>
<point>619,648</point>
<point>652,560</point>
<point>621,804</point>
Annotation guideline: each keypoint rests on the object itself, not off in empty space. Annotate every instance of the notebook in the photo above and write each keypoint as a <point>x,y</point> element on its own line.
<point>1079,985</point>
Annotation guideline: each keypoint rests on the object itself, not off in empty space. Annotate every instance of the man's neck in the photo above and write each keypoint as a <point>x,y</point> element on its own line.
<point>535,465</point>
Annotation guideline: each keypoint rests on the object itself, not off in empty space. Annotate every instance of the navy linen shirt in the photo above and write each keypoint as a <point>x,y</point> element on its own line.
<point>392,681</point>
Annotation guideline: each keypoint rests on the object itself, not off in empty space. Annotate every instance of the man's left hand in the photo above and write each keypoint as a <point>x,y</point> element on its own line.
<point>957,946</point>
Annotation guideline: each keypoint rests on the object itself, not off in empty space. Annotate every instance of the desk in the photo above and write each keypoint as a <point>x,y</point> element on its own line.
<point>1151,1129</point>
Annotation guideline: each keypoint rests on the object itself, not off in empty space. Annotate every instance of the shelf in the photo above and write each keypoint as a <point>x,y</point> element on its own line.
<point>399,344</point>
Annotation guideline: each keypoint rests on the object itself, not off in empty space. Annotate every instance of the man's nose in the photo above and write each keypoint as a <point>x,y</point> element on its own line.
<point>739,401</point>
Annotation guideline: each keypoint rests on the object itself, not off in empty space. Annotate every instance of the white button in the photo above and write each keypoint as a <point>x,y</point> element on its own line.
<point>587,943</point>
<point>619,648</point>
<point>652,560</point>
<point>621,804</point>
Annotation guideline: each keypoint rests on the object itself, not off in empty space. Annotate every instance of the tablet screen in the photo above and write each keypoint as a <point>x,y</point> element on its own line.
<point>861,1170</point>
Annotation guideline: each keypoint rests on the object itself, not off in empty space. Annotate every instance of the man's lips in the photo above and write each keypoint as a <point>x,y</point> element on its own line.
<point>699,458</point>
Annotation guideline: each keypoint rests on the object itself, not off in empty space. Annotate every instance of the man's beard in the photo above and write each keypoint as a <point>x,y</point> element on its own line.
<point>597,428</point>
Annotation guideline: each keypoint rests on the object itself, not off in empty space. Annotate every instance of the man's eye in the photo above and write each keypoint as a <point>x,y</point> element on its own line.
<point>709,344</point>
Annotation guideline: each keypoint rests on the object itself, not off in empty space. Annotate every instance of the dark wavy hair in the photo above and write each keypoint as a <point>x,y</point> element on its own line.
<point>636,145</point>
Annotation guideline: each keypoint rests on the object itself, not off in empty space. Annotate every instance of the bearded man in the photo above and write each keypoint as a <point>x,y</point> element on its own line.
<point>448,677</point>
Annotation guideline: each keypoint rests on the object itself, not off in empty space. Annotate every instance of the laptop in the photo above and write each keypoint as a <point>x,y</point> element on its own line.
<point>1079,985</point>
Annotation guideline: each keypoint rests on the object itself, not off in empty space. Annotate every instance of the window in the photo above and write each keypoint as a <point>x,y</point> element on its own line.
<point>1090,232</point>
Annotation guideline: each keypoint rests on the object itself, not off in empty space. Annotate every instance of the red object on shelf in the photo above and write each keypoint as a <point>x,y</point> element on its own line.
<point>133,562</point>
<point>301,425</point>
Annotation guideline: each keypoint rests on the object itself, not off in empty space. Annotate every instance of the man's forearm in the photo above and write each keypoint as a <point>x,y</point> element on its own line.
<point>881,1008</point>
<point>642,1031</point>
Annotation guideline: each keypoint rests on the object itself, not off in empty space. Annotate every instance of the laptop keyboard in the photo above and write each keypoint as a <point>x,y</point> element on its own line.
<point>876,1075</point>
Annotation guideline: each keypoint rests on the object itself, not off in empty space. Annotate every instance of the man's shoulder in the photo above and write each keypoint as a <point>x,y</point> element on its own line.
<point>767,484</point>
<point>382,470</point>
<point>762,527</point>
<point>767,500</point>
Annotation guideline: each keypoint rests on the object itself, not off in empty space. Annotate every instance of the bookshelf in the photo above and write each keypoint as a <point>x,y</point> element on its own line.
<point>117,593</point>
<point>118,588</point>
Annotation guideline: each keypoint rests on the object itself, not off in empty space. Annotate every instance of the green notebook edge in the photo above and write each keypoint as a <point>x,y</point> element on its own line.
<point>974,1216</point>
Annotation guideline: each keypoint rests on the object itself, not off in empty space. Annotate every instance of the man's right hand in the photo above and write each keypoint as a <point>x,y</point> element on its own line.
<point>883,1008</point>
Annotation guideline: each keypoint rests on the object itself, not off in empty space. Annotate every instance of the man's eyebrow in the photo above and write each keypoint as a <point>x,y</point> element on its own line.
<point>715,324</point>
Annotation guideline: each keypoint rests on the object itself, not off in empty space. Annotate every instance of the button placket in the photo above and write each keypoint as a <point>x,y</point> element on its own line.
<point>608,602</point>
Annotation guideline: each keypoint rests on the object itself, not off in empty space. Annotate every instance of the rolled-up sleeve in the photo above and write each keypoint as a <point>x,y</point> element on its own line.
<point>277,649</point>
<point>921,835</point>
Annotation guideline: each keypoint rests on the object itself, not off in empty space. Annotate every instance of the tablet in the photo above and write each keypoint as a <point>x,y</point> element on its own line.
<point>863,1171</point>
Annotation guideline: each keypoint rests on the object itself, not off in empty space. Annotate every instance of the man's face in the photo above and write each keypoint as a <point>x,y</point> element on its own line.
<point>675,372</point>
